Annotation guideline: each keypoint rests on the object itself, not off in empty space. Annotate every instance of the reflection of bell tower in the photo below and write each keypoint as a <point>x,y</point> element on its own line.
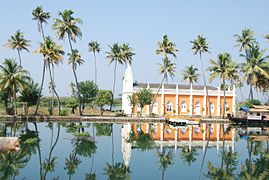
<point>125,146</point>
<point>127,89</point>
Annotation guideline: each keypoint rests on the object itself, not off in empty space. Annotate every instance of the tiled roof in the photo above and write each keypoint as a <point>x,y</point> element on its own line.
<point>173,86</point>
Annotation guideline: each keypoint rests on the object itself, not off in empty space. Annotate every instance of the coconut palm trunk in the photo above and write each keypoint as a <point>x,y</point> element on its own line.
<point>19,54</point>
<point>14,99</point>
<point>76,79</point>
<point>224,99</point>
<point>251,92</point>
<point>43,73</point>
<point>155,96</point>
<point>41,87</point>
<point>54,90</point>
<point>95,68</point>
<point>207,95</point>
<point>114,81</point>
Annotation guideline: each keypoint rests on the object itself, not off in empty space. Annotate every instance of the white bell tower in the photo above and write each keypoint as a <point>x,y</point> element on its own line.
<point>127,89</point>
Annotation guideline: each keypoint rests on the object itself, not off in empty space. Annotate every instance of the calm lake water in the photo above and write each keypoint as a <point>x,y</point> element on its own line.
<point>135,151</point>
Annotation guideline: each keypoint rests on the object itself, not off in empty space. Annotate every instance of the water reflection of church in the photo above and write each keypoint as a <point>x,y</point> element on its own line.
<point>192,136</point>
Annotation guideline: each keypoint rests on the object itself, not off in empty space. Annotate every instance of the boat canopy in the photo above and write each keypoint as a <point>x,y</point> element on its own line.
<point>244,108</point>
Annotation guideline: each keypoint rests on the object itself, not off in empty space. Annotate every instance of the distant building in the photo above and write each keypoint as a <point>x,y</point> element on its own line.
<point>179,99</point>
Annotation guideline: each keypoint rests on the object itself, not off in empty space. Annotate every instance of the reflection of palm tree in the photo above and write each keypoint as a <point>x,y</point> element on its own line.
<point>188,156</point>
<point>11,162</point>
<point>103,129</point>
<point>71,164</point>
<point>49,163</point>
<point>227,172</point>
<point>116,172</point>
<point>165,159</point>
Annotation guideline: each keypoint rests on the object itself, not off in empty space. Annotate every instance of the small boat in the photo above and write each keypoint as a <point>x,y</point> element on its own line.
<point>252,116</point>
<point>181,121</point>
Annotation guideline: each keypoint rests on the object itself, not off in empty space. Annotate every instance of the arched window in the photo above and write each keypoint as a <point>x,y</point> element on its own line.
<point>212,107</point>
<point>226,106</point>
<point>183,106</point>
<point>169,106</point>
<point>197,108</point>
<point>155,107</point>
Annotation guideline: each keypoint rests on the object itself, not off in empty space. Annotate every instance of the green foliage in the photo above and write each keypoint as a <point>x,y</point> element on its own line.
<point>103,129</point>
<point>63,112</point>
<point>144,97</point>
<point>49,164</point>
<point>30,94</point>
<point>117,171</point>
<point>250,103</point>
<point>91,176</point>
<point>73,104</point>
<point>71,163</point>
<point>103,97</point>
<point>85,148</point>
<point>143,141</point>
<point>88,91</point>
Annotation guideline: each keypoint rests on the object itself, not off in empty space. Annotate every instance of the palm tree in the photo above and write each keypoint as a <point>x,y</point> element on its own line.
<point>166,47</point>
<point>18,42</point>
<point>41,17</point>
<point>75,59</point>
<point>190,74</point>
<point>166,69</point>
<point>255,65</point>
<point>67,26</point>
<point>144,97</point>
<point>53,54</point>
<point>245,40</point>
<point>115,55</point>
<point>71,164</point>
<point>94,47</point>
<point>226,69</point>
<point>127,54</point>
<point>200,46</point>
<point>13,78</point>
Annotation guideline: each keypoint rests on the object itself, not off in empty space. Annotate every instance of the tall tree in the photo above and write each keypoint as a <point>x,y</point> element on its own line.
<point>245,40</point>
<point>165,47</point>
<point>68,26</point>
<point>75,60</point>
<point>18,42</point>
<point>190,74</point>
<point>255,65</point>
<point>200,46</point>
<point>226,69</point>
<point>167,68</point>
<point>13,78</point>
<point>115,55</point>
<point>127,53</point>
<point>42,18</point>
<point>53,54</point>
<point>94,47</point>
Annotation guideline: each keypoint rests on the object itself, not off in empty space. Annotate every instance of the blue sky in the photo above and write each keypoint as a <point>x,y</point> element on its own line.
<point>141,24</point>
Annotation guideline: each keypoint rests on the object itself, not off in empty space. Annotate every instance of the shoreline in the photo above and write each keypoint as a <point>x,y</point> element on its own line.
<point>46,118</point>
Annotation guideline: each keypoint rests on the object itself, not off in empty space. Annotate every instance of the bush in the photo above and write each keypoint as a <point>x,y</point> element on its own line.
<point>63,112</point>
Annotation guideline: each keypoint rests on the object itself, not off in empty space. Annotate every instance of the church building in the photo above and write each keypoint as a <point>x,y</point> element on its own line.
<point>178,99</point>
